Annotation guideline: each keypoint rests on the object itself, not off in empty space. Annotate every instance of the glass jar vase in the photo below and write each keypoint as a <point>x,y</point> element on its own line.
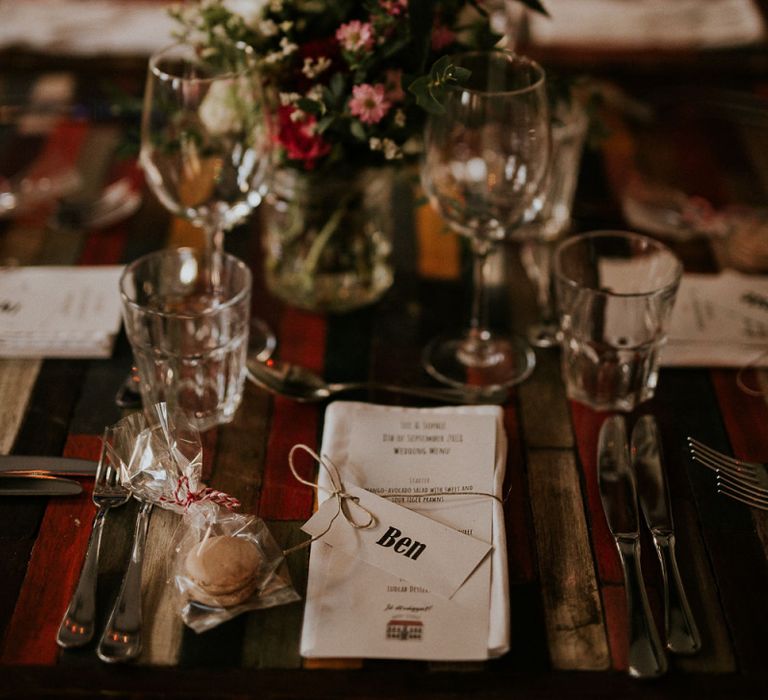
<point>328,238</point>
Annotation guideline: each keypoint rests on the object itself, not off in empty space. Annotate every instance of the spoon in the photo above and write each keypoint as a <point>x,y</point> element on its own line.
<point>301,384</point>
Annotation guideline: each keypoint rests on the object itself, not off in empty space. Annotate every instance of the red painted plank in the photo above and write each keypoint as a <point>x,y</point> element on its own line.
<point>745,416</point>
<point>53,570</point>
<point>586,428</point>
<point>302,340</point>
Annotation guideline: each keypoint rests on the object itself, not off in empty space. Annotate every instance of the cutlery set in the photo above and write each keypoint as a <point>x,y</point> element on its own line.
<point>622,475</point>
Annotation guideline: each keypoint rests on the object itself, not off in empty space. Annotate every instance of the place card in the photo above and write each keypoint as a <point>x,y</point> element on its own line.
<point>400,541</point>
<point>59,311</point>
<point>355,609</point>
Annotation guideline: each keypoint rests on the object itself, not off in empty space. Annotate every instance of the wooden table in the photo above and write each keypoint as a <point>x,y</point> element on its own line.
<point>568,614</point>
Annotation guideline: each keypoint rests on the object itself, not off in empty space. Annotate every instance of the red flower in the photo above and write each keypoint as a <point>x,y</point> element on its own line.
<point>299,139</point>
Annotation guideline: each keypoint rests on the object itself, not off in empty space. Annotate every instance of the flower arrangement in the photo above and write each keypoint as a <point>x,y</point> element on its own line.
<point>353,77</point>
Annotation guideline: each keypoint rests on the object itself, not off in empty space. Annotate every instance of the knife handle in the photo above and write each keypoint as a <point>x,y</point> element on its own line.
<point>646,653</point>
<point>682,633</point>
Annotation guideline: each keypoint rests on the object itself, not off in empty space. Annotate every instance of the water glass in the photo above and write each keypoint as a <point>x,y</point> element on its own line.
<point>615,292</point>
<point>189,337</point>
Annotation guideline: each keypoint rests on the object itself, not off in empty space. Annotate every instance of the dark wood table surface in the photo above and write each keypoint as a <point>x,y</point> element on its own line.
<point>568,616</point>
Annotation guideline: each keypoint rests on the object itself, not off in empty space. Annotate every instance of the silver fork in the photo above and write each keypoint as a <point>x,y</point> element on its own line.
<point>121,640</point>
<point>76,628</point>
<point>741,480</point>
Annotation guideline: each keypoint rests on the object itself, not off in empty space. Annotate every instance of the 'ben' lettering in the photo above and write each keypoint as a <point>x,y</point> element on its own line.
<point>402,545</point>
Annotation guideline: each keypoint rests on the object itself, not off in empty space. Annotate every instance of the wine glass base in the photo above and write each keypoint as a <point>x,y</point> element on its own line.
<point>261,341</point>
<point>544,335</point>
<point>490,362</point>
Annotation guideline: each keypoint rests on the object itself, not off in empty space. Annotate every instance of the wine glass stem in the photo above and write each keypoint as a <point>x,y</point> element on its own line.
<point>214,250</point>
<point>478,320</point>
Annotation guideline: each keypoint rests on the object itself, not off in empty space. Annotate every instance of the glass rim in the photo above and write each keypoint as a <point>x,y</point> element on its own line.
<point>164,75</point>
<point>626,235</point>
<point>239,297</point>
<point>535,85</point>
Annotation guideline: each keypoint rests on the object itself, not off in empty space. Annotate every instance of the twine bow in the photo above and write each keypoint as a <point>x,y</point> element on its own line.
<point>344,501</point>
<point>184,496</point>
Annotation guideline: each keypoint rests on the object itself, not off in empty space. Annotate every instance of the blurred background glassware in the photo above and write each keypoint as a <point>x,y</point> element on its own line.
<point>189,339</point>
<point>485,157</point>
<point>615,292</point>
<point>206,140</point>
<point>548,218</point>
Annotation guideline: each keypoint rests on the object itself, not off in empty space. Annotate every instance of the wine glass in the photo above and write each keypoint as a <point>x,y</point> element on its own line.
<point>548,218</point>
<point>486,155</point>
<point>206,145</point>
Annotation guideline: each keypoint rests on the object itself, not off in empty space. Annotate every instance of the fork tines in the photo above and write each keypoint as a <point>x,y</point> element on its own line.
<point>743,481</point>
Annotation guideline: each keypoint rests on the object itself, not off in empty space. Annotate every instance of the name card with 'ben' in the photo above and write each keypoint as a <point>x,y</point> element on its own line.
<point>411,546</point>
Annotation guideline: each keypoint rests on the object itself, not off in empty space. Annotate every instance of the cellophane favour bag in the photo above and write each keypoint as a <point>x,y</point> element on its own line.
<point>222,563</point>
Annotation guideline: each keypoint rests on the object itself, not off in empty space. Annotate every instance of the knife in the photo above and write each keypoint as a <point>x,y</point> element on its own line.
<point>27,465</point>
<point>653,489</point>
<point>617,492</point>
<point>12,485</point>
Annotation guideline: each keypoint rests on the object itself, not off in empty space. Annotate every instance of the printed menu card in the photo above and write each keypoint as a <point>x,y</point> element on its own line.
<point>379,592</point>
<point>59,311</point>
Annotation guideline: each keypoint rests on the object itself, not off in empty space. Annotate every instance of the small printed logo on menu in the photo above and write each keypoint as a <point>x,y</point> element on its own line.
<point>405,630</point>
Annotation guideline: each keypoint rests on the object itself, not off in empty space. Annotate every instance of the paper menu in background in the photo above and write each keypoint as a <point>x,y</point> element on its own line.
<point>354,609</point>
<point>59,311</point>
<point>718,320</point>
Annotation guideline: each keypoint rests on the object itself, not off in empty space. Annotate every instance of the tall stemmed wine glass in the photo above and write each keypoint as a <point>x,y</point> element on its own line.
<point>205,146</point>
<point>486,155</point>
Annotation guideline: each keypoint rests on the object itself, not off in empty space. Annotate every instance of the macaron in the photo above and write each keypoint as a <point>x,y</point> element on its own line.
<point>223,570</point>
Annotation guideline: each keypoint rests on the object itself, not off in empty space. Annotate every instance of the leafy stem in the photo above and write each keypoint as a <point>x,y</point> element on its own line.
<point>430,90</point>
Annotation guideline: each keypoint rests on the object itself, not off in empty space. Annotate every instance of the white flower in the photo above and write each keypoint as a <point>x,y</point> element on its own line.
<point>399,118</point>
<point>288,46</point>
<point>276,5</point>
<point>315,93</point>
<point>297,116</point>
<point>288,98</point>
<point>267,28</point>
<point>391,150</point>
<point>225,108</point>
<point>314,68</point>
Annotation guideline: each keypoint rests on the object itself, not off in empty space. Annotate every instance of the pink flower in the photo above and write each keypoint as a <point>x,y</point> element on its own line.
<point>369,103</point>
<point>394,8</point>
<point>355,36</point>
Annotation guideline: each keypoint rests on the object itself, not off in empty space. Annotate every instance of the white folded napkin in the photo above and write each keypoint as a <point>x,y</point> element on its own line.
<point>63,312</point>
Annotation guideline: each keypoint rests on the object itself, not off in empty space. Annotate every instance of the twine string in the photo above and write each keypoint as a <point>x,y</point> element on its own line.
<point>344,501</point>
<point>343,498</point>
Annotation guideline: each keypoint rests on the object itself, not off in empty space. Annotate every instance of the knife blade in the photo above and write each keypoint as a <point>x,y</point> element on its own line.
<point>618,495</point>
<point>12,485</point>
<point>653,489</point>
<point>29,465</point>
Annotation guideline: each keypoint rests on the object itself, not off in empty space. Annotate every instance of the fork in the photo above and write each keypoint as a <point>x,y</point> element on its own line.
<point>76,628</point>
<point>121,640</point>
<point>741,480</point>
